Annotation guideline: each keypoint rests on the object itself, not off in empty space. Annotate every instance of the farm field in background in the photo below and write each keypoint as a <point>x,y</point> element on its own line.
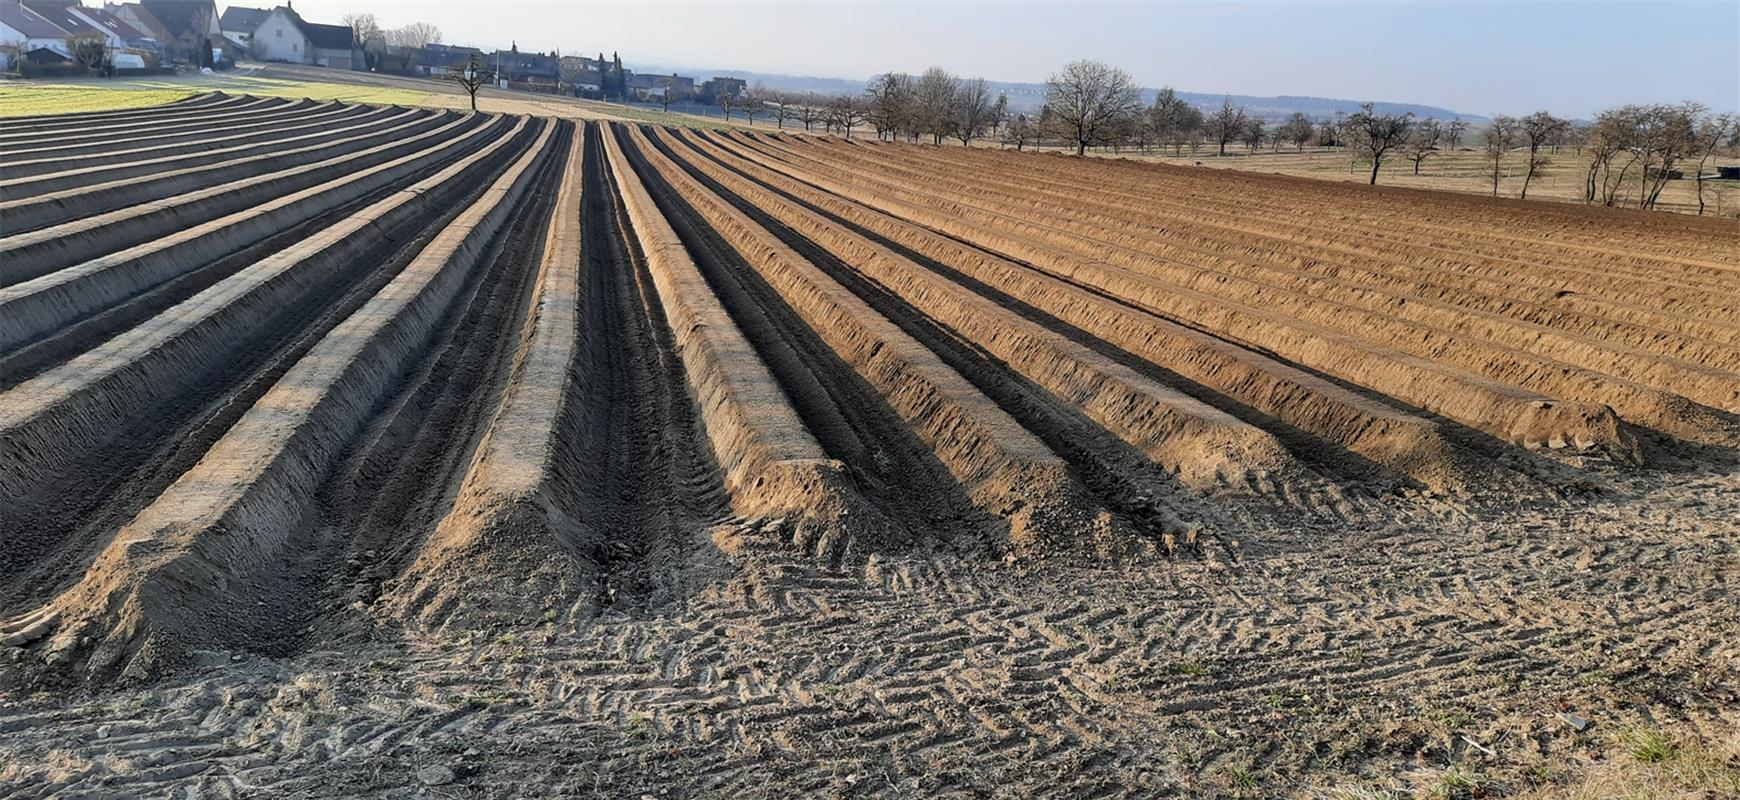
<point>28,98</point>
<point>357,449</point>
<point>1464,171</point>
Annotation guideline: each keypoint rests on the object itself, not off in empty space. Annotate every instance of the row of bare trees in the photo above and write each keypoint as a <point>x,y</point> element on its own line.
<point>1645,144</point>
<point>1091,105</point>
<point>935,106</point>
<point>836,113</point>
<point>390,48</point>
<point>1651,142</point>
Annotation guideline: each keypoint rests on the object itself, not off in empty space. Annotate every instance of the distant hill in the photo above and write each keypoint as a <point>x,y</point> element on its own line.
<point>1029,96</point>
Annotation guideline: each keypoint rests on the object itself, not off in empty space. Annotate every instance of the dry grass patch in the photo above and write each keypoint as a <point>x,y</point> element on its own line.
<point>1644,763</point>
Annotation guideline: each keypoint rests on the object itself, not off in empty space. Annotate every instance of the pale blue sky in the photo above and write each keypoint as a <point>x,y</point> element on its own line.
<point>1473,57</point>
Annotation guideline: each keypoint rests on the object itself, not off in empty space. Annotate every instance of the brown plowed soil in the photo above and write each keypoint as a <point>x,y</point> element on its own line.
<point>414,453</point>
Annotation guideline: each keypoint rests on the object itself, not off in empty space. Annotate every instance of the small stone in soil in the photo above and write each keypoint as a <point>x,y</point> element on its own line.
<point>435,775</point>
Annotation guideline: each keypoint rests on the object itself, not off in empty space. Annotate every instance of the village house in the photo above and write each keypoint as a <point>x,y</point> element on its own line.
<point>126,47</point>
<point>189,29</point>
<point>734,87</point>
<point>286,37</point>
<point>648,87</point>
<point>437,59</point>
<point>27,34</point>
<point>238,24</point>
<point>139,19</point>
<point>40,31</point>
<point>526,71</point>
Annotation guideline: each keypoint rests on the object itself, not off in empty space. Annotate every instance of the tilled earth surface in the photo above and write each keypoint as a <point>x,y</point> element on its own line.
<point>361,450</point>
<point>1303,662</point>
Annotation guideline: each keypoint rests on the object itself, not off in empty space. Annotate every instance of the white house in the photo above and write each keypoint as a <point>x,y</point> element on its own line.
<point>115,31</point>
<point>23,30</point>
<point>238,24</point>
<point>286,36</point>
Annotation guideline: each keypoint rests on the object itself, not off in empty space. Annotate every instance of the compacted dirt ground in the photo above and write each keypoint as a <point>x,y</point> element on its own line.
<point>375,451</point>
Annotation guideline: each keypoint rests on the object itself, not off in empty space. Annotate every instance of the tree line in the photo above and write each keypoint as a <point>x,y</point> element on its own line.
<point>1093,105</point>
<point>390,49</point>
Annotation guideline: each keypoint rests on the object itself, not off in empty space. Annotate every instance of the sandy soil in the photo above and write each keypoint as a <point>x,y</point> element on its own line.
<point>489,456</point>
<point>1380,651</point>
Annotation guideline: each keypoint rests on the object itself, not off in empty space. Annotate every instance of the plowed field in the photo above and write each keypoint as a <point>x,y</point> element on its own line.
<point>342,441</point>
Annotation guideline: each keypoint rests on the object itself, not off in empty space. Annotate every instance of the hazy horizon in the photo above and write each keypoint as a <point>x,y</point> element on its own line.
<point>1479,58</point>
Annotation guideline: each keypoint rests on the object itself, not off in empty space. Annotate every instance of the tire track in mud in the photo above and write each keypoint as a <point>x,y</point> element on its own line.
<point>1317,663</point>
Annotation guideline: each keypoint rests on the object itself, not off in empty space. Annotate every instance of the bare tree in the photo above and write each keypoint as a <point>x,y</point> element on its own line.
<point>1453,132</point>
<point>784,107</point>
<point>1088,100</point>
<point>971,110</point>
<point>1225,125</point>
<point>889,103</point>
<point>812,108</point>
<point>1374,134</point>
<point>1577,137</point>
<point>1498,138</point>
<point>1423,142</point>
<point>471,76</point>
<point>933,104</point>
<point>726,102</point>
<point>417,35</point>
<point>670,88</point>
<point>370,38</point>
<point>1538,130</point>
<point>1123,131</point>
<point>90,50</point>
<point>1019,131</point>
<point>1328,133</point>
<point>411,39</point>
<point>1191,124</point>
<point>846,112</point>
<point>1166,116</point>
<point>753,103</point>
<point>1608,138</point>
<point>1664,135</point>
<point>1710,132</point>
<point>1253,132</point>
<point>1297,129</point>
<point>999,113</point>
